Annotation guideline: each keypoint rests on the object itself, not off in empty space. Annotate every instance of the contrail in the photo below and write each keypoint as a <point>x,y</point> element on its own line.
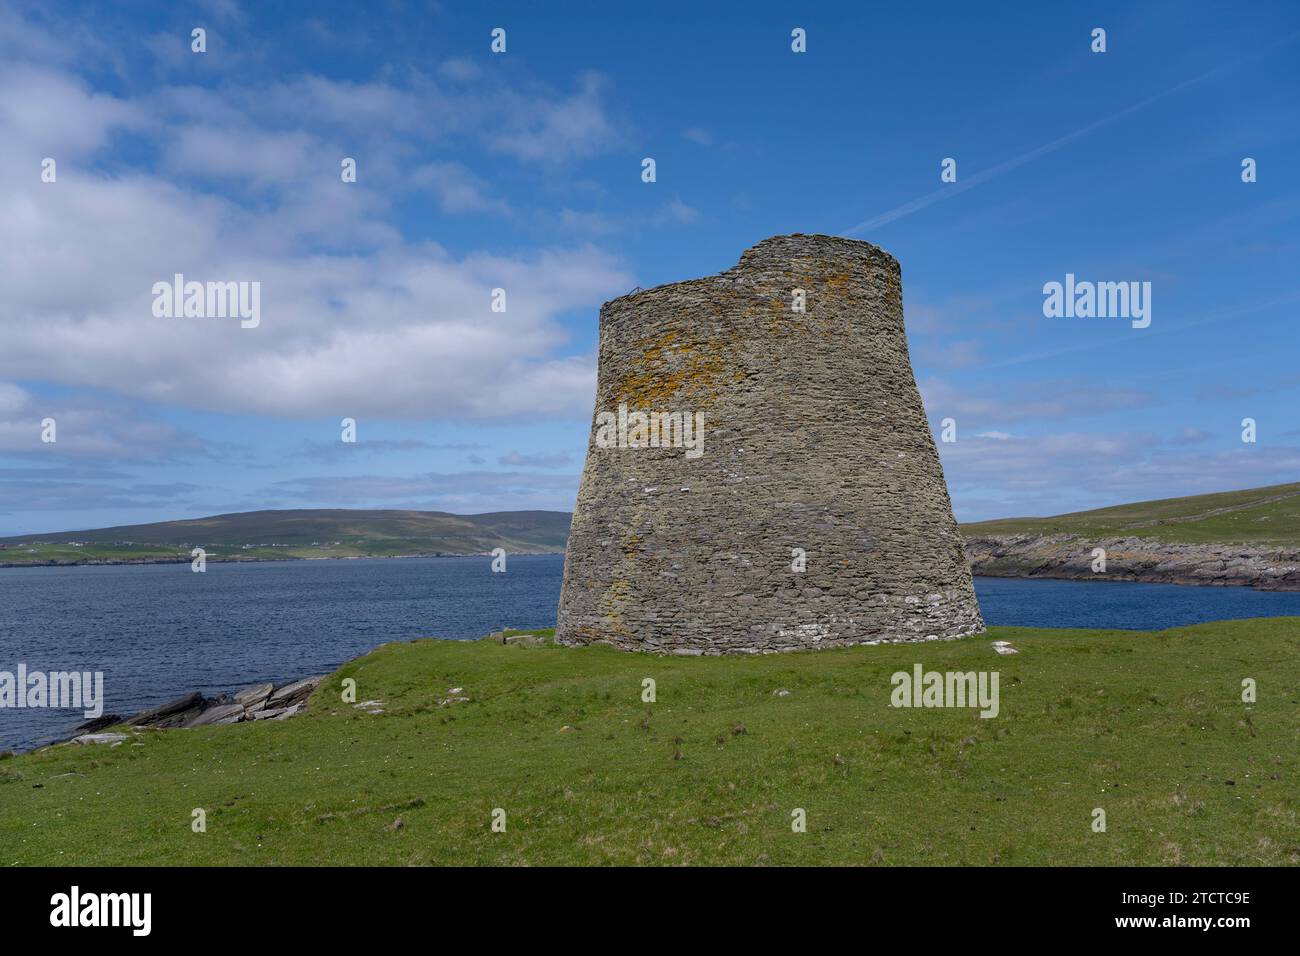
<point>1216,316</point>
<point>994,171</point>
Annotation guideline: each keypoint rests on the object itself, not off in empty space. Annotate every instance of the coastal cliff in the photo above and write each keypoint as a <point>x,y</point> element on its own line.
<point>1247,538</point>
<point>1134,559</point>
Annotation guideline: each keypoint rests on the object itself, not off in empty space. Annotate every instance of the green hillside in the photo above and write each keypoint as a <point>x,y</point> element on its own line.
<point>1149,727</point>
<point>301,534</point>
<point>1269,515</point>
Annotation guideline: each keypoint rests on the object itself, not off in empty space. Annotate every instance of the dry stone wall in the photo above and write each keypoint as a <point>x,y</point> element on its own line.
<point>814,440</point>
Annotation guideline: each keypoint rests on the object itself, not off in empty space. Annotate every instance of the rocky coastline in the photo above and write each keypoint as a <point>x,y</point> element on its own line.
<point>258,702</point>
<point>1071,557</point>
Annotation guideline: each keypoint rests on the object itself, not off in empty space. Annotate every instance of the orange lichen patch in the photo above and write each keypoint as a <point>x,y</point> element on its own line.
<point>785,322</point>
<point>615,600</point>
<point>673,370</point>
<point>615,603</point>
<point>838,280</point>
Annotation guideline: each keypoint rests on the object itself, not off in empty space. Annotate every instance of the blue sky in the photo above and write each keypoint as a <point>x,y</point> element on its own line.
<point>522,171</point>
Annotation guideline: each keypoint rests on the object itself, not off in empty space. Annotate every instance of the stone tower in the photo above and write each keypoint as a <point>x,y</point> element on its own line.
<point>815,454</point>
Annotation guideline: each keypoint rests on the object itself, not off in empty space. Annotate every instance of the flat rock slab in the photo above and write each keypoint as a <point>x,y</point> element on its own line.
<point>220,714</point>
<point>251,698</point>
<point>100,739</point>
<point>99,723</point>
<point>293,693</point>
<point>180,705</point>
<point>277,713</point>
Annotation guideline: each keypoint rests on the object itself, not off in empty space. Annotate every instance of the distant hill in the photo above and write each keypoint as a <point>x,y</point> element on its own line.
<point>1244,538</point>
<point>337,533</point>
<point>1269,515</point>
<point>1263,518</point>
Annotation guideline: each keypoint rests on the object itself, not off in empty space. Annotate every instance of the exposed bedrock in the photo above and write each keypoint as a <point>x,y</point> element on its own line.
<point>1135,559</point>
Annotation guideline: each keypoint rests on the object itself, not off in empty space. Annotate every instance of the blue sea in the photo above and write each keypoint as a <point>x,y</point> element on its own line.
<point>158,631</point>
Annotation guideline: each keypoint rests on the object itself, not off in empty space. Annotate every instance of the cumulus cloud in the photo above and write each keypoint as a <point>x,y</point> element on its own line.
<point>88,428</point>
<point>458,189</point>
<point>554,129</point>
<point>355,319</point>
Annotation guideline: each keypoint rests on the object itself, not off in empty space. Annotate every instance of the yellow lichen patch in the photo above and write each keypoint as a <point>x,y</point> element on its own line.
<point>837,281</point>
<point>615,602</point>
<point>672,372</point>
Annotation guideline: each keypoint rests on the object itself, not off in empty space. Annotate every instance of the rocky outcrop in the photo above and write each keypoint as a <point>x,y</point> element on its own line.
<point>1135,559</point>
<point>259,702</point>
<point>813,514</point>
<point>174,713</point>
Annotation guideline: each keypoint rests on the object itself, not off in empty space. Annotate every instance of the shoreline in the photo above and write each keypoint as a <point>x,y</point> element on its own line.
<point>261,700</point>
<point>1118,579</point>
<point>1134,560</point>
<point>1026,557</point>
<point>258,701</point>
<point>211,559</point>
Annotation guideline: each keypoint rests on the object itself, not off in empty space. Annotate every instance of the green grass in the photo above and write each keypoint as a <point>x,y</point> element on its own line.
<point>1256,516</point>
<point>337,533</point>
<point>45,552</point>
<point>1148,726</point>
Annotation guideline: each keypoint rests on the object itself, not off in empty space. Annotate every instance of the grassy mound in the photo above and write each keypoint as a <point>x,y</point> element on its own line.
<point>1149,727</point>
<point>1260,516</point>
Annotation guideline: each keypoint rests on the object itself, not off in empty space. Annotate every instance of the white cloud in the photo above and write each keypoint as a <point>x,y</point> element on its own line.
<point>554,129</point>
<point>675,212</point>
<point>48,113</point>
<point>86,429</point>
<point>457,189</point>
<point>460,70</point>
<point>403,331</point>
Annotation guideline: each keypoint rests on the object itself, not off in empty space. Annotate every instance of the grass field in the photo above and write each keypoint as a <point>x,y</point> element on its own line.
<point>1149,727</point>
<point>45,552</point>
<point>282,535</point>
<point>1268,515</point>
